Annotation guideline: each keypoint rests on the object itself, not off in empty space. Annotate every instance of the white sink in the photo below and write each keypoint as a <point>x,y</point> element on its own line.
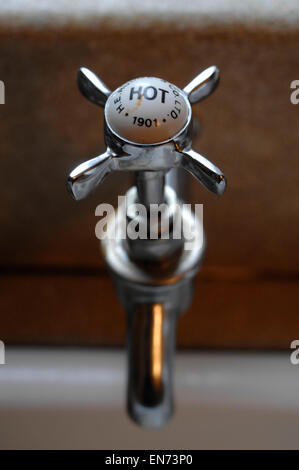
<point>75,399</point>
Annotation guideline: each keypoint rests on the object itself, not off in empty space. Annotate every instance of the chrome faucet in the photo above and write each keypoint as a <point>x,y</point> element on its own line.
<point>148,129</point>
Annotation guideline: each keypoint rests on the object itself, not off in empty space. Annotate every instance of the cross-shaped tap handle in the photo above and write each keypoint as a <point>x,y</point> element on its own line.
<point>147,128</point>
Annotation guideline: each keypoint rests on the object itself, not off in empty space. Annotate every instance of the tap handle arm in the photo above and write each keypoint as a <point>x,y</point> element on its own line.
<point>92,87</point>
<point>204,171</point>
<point>203,85</point>
<point>86,176</point>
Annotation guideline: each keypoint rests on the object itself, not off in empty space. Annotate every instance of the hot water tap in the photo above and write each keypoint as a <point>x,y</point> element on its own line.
<point>148,130</point>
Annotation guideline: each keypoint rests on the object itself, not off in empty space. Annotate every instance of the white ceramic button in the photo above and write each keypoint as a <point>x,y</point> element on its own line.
<point>147,110</point>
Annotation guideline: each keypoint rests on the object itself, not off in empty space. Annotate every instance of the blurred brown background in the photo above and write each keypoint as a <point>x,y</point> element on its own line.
<point>54,286</point>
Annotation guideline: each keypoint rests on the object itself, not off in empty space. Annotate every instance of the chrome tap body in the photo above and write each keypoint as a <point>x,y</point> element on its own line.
<point>148,127</point>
